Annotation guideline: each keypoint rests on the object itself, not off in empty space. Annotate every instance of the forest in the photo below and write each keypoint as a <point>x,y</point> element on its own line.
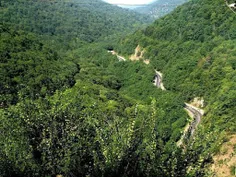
<point>69,107</point>
<point>159,8</point>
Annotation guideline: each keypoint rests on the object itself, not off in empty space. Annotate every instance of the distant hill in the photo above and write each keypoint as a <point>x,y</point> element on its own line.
<point>57,26</point>
<point>87,20</point>
<point>159,8</point>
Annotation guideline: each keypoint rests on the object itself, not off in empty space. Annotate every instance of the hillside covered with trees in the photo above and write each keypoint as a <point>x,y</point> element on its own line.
<point>88,20</point>
<point>195,49</point>
<point>69,107</point>
<point>159,8</point>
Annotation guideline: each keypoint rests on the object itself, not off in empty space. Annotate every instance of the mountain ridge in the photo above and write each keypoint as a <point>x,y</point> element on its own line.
<point>88,20</point>
<point>160,8</point>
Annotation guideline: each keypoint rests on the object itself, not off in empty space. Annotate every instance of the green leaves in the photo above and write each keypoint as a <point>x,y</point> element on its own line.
<point>89,21</point>
<point>31,68</point>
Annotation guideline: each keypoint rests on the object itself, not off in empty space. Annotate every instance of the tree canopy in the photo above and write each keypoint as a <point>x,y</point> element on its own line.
<point>70,107</point>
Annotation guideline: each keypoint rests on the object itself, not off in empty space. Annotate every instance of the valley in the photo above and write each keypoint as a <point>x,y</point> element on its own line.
<point>92,89</point>
<point>195,113</point>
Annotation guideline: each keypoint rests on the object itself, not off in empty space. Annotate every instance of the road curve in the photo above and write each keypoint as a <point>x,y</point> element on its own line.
<point>158,80</point>
<point>196,114</point>
<point>120,58</point>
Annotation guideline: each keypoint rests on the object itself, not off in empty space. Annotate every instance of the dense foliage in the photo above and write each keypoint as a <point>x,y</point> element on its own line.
<point>69,107</point>
<point>30,67</point>
<point>195,49</point>
<point>94,128</point>
<point>88,20</point>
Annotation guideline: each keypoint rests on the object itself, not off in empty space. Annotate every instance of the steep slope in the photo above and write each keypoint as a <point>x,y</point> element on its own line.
<point>97,127</point>
<point>79,111</point>
<point>195,49</point>
<point>69,107</point>
<point>159,8</point>
<point>85,19</point>
<point>38,33</point>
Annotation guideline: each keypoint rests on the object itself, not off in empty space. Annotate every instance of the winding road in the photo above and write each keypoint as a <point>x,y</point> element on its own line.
<point>194,112</point>
<point>197,115</point>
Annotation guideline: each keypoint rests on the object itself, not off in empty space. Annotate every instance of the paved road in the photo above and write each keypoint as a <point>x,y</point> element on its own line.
<point>120,58</point>
<point>195,112</point>
<point>158,80</point>
<point>197,115</point>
